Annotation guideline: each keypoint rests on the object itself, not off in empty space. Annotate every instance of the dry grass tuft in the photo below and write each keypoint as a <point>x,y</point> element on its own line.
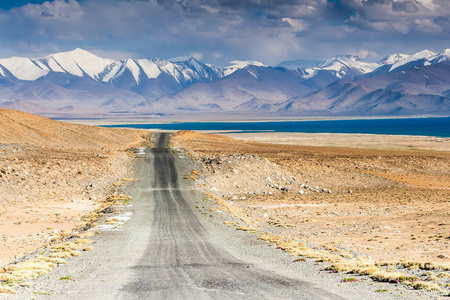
<point>386,276</point>
<point>362,266</point>
<point>29,269</point>
<point>7,290</point>
<point>64,254</point>
<point>415,265</point>
<point>443,275</point>
<point>425,265</point>
<point>64,247</point>
<point>25,284</point>
<point>87,235</point>
<point>246,228</point>
<point>421,285</point>
<point>75,253</point>
<point>8,268</point>
<point>8,277</point>
<point>271,238</point>
<point>83,241</point>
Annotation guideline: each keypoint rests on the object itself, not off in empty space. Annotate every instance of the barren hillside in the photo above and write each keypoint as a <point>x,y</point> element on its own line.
<point>52,174</point>
<point>24,128</point>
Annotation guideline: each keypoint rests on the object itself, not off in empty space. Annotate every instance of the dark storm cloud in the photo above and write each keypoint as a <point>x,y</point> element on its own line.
<point>218,31</point>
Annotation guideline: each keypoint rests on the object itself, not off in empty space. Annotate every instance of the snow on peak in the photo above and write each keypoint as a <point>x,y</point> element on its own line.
<point>445,52</point>
<point>150,68</point>
<point>442,56</point>
<point>244,63</point>
<point>79,62</point>
<point>134,69</point>
<point>23,68</point>
<point>426,57</point>
<point>349,58</point>
<point>341,64</point>
<point>241,64</point>
<point>402,62</point>
<point>424,54</point>
<point>393,58</point>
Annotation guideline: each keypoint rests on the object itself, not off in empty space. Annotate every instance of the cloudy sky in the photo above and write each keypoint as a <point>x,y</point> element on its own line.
<point>218,31</point>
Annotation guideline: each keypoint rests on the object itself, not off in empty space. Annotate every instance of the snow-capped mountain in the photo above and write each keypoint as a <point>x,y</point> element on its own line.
<point>252,87</point>
<point>405,85</point>
<point>348,65</point>
<point>81,83</point>
<point>422,58</point>
<point>240,64</point>
<point>393,59</point>
<point>319,74</point>
<point>82,63</point>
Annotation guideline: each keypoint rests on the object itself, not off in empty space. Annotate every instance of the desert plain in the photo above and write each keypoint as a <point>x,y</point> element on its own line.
<point>364,204</point>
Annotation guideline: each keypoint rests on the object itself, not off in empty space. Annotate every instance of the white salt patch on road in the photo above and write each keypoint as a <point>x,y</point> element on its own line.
<point>119,221</point>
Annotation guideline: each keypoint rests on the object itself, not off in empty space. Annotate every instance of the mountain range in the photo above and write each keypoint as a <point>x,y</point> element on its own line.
<point>80,84</point>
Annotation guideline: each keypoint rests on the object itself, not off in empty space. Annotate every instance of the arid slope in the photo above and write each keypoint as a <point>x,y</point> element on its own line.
<point>52,173</point>
<point>25,128</point>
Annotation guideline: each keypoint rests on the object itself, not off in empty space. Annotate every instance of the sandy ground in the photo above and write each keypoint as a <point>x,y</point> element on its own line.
<point>52,174</point>
<point>367,141</point>
<point>384,197</point>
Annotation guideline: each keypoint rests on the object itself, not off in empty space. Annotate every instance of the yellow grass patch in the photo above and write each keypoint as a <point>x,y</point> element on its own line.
<point>29,269</point>
<point>8,268</point>
<point>7,290</point>
<point>25,284</point>
<point>424,265</point>
<point>83,241</point>
<point>443,275</point>
<point>245,228</point>
<point>64,254</point>
<point>421,285</point>
<point>75,253</point>
<point>362,266</point>
<point>87,235</point>
<point>271,238</point>
<point>386,276</point>
<point>64,247</point>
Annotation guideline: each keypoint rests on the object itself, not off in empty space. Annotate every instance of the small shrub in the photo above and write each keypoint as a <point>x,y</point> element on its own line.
<point>350,279</point>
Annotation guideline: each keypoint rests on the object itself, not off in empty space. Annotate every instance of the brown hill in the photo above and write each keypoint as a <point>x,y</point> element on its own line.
<point>25,128</point>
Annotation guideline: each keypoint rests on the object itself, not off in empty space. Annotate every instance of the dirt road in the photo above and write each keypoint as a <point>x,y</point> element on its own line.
<point>167,250</point>
<point>180,261</point>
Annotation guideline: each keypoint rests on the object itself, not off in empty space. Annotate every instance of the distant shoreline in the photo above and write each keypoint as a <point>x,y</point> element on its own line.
<point>107,121</point>
<point>435,126</point>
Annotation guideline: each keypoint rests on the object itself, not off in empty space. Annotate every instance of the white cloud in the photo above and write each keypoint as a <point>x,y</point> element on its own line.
<point>58,9</point>
<point>296,24</point>
<point>364,54</point>
<point>222,30</point>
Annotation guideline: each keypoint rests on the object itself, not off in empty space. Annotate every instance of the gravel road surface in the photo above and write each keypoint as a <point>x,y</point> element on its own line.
<point>180,261</point>
<point>170,250</point>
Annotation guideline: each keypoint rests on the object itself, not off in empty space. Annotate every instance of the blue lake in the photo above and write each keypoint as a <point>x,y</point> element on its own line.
<point>439,127</point>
